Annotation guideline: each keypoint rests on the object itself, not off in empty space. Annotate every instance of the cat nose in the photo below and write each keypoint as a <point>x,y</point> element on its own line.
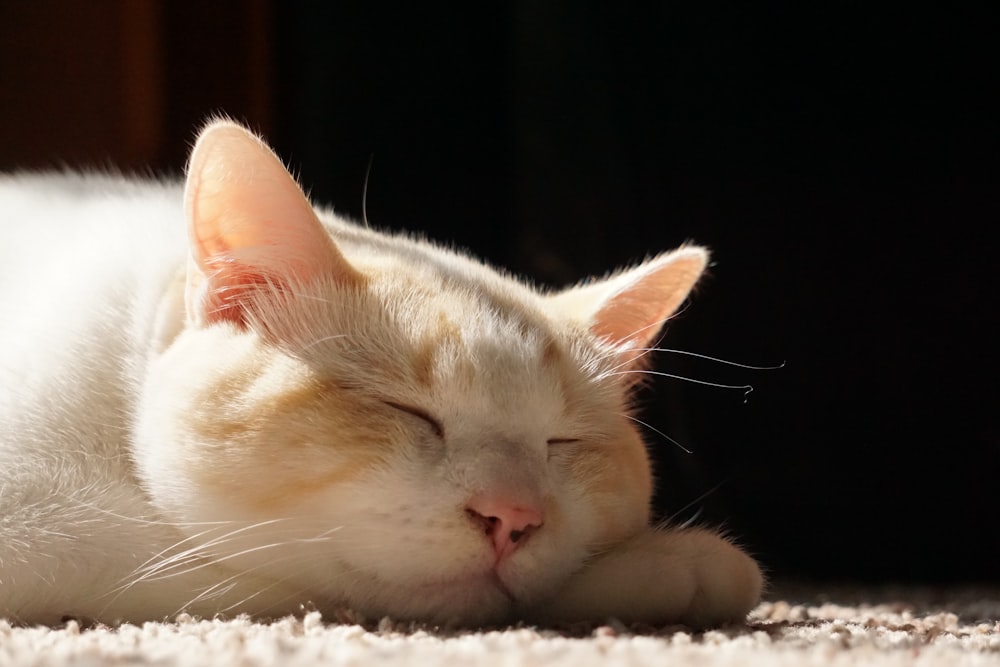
<point>507,522</point>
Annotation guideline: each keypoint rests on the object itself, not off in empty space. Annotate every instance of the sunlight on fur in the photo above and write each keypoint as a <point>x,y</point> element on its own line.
<point>217,398</point>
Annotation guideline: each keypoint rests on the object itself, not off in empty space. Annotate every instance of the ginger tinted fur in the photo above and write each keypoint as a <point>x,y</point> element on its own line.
<point>218,398</point>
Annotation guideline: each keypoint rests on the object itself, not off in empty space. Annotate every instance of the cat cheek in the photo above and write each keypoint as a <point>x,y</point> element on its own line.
<point>617,485</point>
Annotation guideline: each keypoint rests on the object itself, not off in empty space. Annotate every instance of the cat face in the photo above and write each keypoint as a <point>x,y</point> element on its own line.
<point>368,420</point>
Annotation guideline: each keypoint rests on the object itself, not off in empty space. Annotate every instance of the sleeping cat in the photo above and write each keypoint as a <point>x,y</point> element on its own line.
<point>275,407</point>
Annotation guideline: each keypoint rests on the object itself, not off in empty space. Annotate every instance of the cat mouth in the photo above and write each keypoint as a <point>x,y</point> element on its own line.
<point>489,580</point>
<point>495,580</point>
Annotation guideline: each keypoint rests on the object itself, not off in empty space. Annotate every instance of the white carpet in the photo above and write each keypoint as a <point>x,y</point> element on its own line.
<point>905,627</point>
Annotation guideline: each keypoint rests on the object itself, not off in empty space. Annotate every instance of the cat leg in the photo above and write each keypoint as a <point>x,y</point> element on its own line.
<point>690,576</point>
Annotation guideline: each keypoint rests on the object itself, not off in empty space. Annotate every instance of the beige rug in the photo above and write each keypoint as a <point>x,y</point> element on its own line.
<point>799,626</point>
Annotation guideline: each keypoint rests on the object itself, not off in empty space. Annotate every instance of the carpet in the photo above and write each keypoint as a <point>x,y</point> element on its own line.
<point>797,625</point>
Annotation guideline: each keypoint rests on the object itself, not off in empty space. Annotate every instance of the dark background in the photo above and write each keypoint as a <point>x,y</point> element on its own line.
<point>840,159</point>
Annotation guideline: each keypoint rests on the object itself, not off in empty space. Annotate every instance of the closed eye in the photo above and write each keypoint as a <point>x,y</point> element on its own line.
<point>419,414</point>
<point>562,441</point>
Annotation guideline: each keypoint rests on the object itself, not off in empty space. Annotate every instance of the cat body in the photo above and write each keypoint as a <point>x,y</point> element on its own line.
<point>215,398</point>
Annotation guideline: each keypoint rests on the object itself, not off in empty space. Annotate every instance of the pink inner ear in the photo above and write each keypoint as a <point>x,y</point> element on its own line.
<point>636,313</point>
<point>250,225</point>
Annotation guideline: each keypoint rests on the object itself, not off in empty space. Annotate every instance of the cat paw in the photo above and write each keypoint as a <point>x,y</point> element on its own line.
<point>728,582</point>
<point>689,576</point>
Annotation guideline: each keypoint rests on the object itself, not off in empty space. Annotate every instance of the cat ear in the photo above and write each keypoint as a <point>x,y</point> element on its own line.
<point>250,227</point>
<point>628,309</point>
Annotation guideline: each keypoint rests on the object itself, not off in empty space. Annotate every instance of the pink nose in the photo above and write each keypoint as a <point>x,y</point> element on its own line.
<point>507,522</point>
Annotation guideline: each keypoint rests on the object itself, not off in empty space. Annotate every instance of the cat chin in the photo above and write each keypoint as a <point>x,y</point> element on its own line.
<point>473,600</point>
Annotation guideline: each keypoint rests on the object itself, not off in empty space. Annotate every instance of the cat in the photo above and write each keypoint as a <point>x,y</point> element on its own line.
<point>282,409</point>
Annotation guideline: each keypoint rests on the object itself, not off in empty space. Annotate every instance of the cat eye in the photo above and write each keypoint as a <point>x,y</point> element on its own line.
<point>419,414</point>
<point>561,441</point>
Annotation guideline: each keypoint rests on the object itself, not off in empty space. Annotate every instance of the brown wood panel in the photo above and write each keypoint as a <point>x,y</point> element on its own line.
<point>126,82</point>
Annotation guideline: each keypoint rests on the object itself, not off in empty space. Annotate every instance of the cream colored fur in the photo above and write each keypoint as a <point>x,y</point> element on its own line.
<point>274,408</point>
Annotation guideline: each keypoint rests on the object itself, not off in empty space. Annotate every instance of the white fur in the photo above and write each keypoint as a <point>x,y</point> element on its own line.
<point>116,505</point>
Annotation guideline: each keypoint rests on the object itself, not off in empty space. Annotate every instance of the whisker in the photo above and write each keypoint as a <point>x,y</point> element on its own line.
<point>322,537</point>
<point>231,582</point>
<point>643,351</point>
<point>203,553</point>
<point>160,558</point>
<point>162,569</point>
<point>694,517</point>
<point>658,431</point>
<point>717,360</point>
<point>222,588</point>
<point>747,389</point>
<point>617,350</point>
<point>364,191</point>
<point>141,520</point>
<point>666,522</point>
<point>216,591</point>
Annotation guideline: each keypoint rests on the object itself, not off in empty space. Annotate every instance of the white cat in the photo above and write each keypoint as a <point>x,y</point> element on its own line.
<point>275,407</point>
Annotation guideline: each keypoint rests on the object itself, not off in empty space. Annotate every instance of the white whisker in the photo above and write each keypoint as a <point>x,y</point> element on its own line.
<point>364,191</point>
<point>166,565</point>
<point>669,520</point>
<point>174,564</point>
<point>747,389</point>
<point>717,360</point>
<point>658,431</point>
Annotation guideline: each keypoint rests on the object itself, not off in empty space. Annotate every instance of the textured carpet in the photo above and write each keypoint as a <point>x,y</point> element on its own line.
<point>799,626</point>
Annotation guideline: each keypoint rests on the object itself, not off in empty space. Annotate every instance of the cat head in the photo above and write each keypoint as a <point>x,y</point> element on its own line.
<point>375,421</point>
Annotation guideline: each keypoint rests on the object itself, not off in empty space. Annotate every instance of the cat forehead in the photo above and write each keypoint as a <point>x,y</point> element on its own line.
<point>431,330</point>
<point>446,320</point>
<point>434,314</point>
<point>479,347</point>
<point>437,292</point>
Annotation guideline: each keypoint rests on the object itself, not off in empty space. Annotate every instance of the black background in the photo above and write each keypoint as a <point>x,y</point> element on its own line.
<point>842,164</point>
<point>840,160</point>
